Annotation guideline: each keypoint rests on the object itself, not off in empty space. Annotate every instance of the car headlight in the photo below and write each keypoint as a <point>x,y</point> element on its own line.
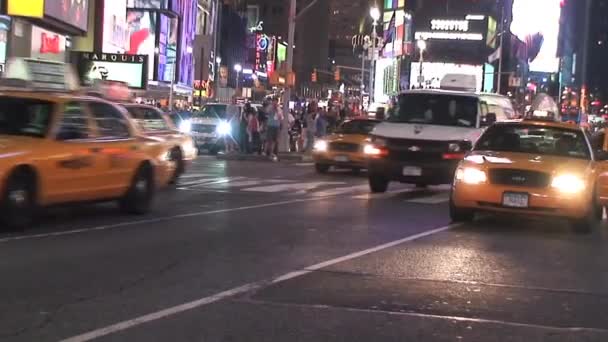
<point>185,126</point>
<point>320,146</point>
<point>470,175</point>
<point>568,183</point>
<point>223,128</point>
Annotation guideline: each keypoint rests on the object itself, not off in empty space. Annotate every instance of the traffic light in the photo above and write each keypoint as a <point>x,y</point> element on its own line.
<point>314,75</point>
<point>337,74</point>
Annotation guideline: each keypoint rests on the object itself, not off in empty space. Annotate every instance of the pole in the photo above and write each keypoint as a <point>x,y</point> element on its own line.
<point>420,63</point>
<point>172,83</point>
<point>284,138</point>
<point>585,71</point>
<point>372,67</point>
<point>238,73</point>
<point>362,77</point>
<point>216,46</point>
<point>502,37</point>
<point>200,94</point>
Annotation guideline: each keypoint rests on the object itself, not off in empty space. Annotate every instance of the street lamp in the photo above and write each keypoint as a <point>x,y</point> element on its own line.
<point>218,63</point>
<point>238,68</point>
<point>421,44</point>
<point>374,12</point>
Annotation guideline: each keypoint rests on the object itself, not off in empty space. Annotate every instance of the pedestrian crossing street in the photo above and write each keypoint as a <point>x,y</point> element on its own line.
<point>358,190</point>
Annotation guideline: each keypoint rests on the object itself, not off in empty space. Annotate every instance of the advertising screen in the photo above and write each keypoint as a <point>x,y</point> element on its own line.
<point>47,45</point>
<point>152,4</point>
<point>115,31</point>
<point>167,46</point>
<point>74,12</point>
<point>5,26</point>
<point>540,36</point>
<point>281,55</point>
<point>130,69</point>
<point>433,73</point>
<point>141,26</point>
<point>32,8</point>
<point>187,12</point>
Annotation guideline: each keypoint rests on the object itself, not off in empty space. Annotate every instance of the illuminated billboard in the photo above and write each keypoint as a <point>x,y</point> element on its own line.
<point>115,31</point>
<point>32,8</point>
<point>142,27</point>
<point>129,69</point>
<point>74,13</point>
<point>539,34</point>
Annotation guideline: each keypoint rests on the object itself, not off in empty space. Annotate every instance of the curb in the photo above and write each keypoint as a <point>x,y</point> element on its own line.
<point>288,157</point>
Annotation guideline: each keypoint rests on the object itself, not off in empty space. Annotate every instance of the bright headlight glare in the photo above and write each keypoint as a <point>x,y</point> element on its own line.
<point>320,145</point>
<point>568,183</point>
<point>223,128</point>
<point>470,175</point>
<point>185,126</point>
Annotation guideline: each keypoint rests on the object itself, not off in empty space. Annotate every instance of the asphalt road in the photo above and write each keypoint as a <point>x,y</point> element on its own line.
<point>253,251</point>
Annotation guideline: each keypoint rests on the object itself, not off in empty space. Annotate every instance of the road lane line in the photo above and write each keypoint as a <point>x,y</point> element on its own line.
<point>154,220</point>
<point>556,329</point>
<point>124,325</point>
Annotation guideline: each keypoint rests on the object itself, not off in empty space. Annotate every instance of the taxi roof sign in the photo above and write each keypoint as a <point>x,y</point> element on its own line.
<point>42,74</point>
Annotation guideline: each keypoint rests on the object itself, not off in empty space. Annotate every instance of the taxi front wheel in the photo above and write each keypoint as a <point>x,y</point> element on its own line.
<point>460,214</point>
<point>591,220</point>
<point>138,198</point>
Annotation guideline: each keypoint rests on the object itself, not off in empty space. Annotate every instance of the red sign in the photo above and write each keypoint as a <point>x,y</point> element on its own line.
<point>49,43</point>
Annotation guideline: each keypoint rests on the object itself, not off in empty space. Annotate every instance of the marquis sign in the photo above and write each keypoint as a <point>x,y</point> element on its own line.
<point>129,69</point>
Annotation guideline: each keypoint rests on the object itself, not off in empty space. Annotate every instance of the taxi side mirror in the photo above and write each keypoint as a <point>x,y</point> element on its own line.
<point>488,120</point>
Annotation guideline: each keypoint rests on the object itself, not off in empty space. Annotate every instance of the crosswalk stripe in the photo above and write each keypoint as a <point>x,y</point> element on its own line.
<point>341,191</point>
<point>383,195</point>
<point>295,187</point>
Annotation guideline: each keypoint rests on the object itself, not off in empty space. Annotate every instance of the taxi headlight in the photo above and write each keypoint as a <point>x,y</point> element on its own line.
<point>470,175</point>
<point>223,128</point>
<point>568,183</point>
<point>185,126</point>
<point>320,146</point>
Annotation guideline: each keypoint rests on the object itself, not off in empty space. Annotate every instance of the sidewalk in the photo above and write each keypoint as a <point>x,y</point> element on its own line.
<point>283,157</point>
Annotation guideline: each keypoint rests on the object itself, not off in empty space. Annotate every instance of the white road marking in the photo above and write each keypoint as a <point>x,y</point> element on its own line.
<point>150,221</point>
<point>236,184</point>
<point>197,175</point>
<point>384,195</point>
<point>433,199</point>
<point>291,187</point>
<point>124,325</point>
<point>304,164</point>
<point>341,191</point>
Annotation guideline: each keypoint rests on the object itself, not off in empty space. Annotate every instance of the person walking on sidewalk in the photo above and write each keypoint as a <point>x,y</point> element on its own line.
<point>273,127</point>
<point>311,127</point>
<point>321,124</point>
<point>253,131</point>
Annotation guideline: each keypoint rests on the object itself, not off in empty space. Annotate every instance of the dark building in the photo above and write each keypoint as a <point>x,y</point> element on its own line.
<point>347,19</point>
<point>232,44</point>
<point>598,48</point>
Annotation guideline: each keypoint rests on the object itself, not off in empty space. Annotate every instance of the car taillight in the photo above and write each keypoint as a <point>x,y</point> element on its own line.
<point>375,151</point>
<point>453,156</point>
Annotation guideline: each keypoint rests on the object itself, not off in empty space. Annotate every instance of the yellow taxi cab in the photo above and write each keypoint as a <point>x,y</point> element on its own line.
<point>533,167</point>
<point>153,122</point>
<point>58,147</point>
<point>345,147</point>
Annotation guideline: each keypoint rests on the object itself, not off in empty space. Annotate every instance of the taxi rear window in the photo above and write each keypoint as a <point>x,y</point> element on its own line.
<point>540,140</point>
<point>25,117</point>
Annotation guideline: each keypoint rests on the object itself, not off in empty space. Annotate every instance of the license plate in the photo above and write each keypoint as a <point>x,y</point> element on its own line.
<point>412,171</point>
<point>515,200</point>
<point>341,159</point>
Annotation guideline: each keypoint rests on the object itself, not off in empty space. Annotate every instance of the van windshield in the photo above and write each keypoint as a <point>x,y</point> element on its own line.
<point>212,111</point>
<point>436,109</point>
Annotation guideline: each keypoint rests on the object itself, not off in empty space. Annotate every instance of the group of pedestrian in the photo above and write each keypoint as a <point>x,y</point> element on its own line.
<point>316,123</point>
<point>255,131</point>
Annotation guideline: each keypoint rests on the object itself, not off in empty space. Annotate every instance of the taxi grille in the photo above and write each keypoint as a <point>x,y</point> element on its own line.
<point>515,177</point>
<point>203,128</point>
<point>343,147</point>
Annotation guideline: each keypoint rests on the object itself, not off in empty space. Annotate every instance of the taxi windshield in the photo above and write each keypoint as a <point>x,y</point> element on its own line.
<point>436,109</point>
<point>357,127</point>
<point>539,140</point>
<point>148,119</point>
<point>23,116</point>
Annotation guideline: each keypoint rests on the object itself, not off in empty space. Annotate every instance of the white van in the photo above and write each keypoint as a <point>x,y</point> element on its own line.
<point>428,134</point>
